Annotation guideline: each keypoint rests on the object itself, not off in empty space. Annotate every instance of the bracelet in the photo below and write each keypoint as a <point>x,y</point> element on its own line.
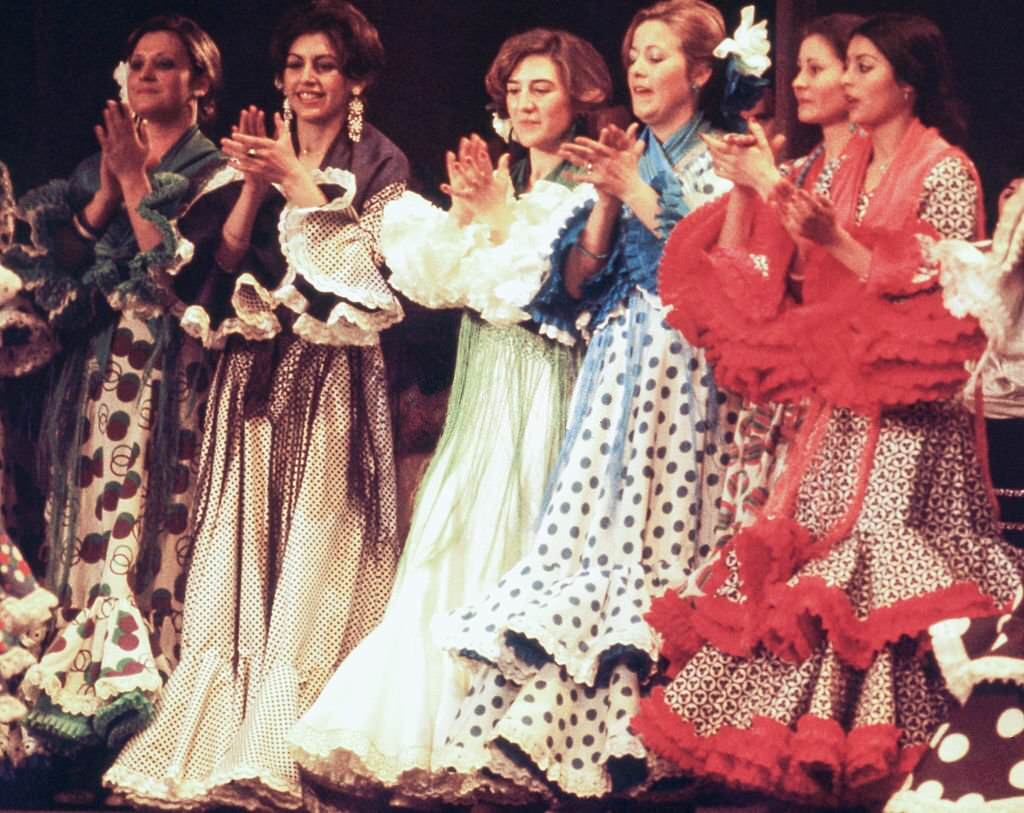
<point>588,253</point>
<point>84,228</point>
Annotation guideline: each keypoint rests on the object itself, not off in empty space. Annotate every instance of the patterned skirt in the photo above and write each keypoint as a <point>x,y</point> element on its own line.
<point>805,673</point>
<point>559,648</point>
<point>293,565</point>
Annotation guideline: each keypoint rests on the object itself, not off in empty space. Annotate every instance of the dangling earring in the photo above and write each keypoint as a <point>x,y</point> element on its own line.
<point>286,112</point>
<point>355,116</point>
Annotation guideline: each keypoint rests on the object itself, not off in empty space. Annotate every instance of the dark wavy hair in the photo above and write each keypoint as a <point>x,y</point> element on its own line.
<point>700,27</point>
<point>916,49</point>
<point>583,69</point>
<point>354,37</point>
<point>835,29</point>
<point>202,51</point>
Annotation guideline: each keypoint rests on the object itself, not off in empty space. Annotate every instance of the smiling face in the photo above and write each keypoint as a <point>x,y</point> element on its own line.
<point>161,85</point>
<point>313,81</point>
<point>873,93</point>
<point>818,85</point>
<point>539,103</point>
<point>660,78</point>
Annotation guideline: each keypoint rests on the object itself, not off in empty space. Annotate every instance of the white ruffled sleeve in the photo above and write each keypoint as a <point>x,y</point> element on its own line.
<point>439,264</point>
<point>335,250</point>
<point>974,285</point>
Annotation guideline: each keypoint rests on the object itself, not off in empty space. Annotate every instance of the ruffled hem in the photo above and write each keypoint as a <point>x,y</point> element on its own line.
<point>255,319</point>
<point>112,724</point>
<point>242,787</point>
<point>14,661</point>
<point>27,612</point>
<point>789,617</point>
<point>11,709</point>
<point>123,663</point>
<point>346,326</point>
<point>961,671</point>
<point>814,762</point>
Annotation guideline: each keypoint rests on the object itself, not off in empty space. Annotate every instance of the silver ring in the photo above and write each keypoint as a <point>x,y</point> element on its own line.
<point>251,152</point>
<point>589,168</point>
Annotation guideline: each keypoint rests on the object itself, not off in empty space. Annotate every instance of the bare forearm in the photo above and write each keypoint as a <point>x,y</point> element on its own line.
<point>644,202</point>
<point>739,218</point>
<point>592,246</point>
<point>147,236</point>
<point>236,233</point>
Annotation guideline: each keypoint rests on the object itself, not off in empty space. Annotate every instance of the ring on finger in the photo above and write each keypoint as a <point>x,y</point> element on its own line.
<point>589,167</point>
<point>251,152</point>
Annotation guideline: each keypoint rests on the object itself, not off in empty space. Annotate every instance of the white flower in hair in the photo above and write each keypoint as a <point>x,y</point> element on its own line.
<point>121,77</point>
<point>503,127</point>
<point>749,44</point>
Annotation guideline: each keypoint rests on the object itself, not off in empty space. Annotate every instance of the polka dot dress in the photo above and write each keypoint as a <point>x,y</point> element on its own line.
<point>287,578</point>
<point>975,759</point>
<point>628,515</point>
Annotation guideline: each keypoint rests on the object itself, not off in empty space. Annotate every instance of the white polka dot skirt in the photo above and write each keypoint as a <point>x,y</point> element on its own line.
<point>628,515</point>
<point>290,572</point>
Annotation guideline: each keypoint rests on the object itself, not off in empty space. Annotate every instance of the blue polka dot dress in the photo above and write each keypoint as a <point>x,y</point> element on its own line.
<point>560,651</point>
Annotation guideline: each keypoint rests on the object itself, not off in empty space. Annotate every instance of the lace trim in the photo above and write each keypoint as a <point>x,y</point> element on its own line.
<point>33,609</point>
<point>296,248</point>
<point>15,661</point>
<point>11,709</point>
<point>48,676</point>
<point>252,323</point>
<point>234,788</point>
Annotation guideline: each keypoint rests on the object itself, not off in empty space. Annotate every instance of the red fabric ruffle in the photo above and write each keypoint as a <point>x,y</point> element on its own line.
<point>813,762</point>
<point>790,617</point>
<point>886,343</point>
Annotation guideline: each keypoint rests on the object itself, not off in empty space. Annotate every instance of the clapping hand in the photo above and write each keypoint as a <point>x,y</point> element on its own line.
<point>251,122</point>
<point>1008,240</point>
<point>479,190</point>
<point>747,159</point>
<point>124,150</point>
<point>611,163</point>
<point>806,216</point>
<point>255,153</point>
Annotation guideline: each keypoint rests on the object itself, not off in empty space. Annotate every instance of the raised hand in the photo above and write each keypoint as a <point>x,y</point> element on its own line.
<point>124,147</point>
<point>748,160</point>
<point>806,216</point>
<point>479,190</point>
<point>1008,240</point>
<point>273,159</point>
<point>252,122</point>
<point>611,163</point>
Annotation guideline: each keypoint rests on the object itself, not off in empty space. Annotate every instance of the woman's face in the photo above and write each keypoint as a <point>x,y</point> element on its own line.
<point>874,96</point>
<point>313,82</point>
<point>539,103</point>
<point>659,78</point>
<point>818,85</point>
<point>160,81</point>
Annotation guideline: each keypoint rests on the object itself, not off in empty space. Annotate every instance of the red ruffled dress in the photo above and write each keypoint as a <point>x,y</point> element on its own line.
<point>804,671</point>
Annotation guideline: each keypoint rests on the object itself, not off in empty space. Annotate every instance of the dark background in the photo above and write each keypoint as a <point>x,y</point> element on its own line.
<point>59,55</point>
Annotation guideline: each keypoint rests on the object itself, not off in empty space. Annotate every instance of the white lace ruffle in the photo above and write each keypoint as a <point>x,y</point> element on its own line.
<point>439,264</point>
<point>19,614</point>
<point>304,254</point>
<point>254,320</point>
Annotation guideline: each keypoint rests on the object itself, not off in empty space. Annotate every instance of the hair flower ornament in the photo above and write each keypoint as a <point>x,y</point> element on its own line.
<point>503,127</point>
<point>746,52</point>
<point>121,77</point>
<point>748,46</point>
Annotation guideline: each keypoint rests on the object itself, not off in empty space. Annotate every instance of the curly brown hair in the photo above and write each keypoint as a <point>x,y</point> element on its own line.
<point>355,38</point>
<point>582,68</point>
